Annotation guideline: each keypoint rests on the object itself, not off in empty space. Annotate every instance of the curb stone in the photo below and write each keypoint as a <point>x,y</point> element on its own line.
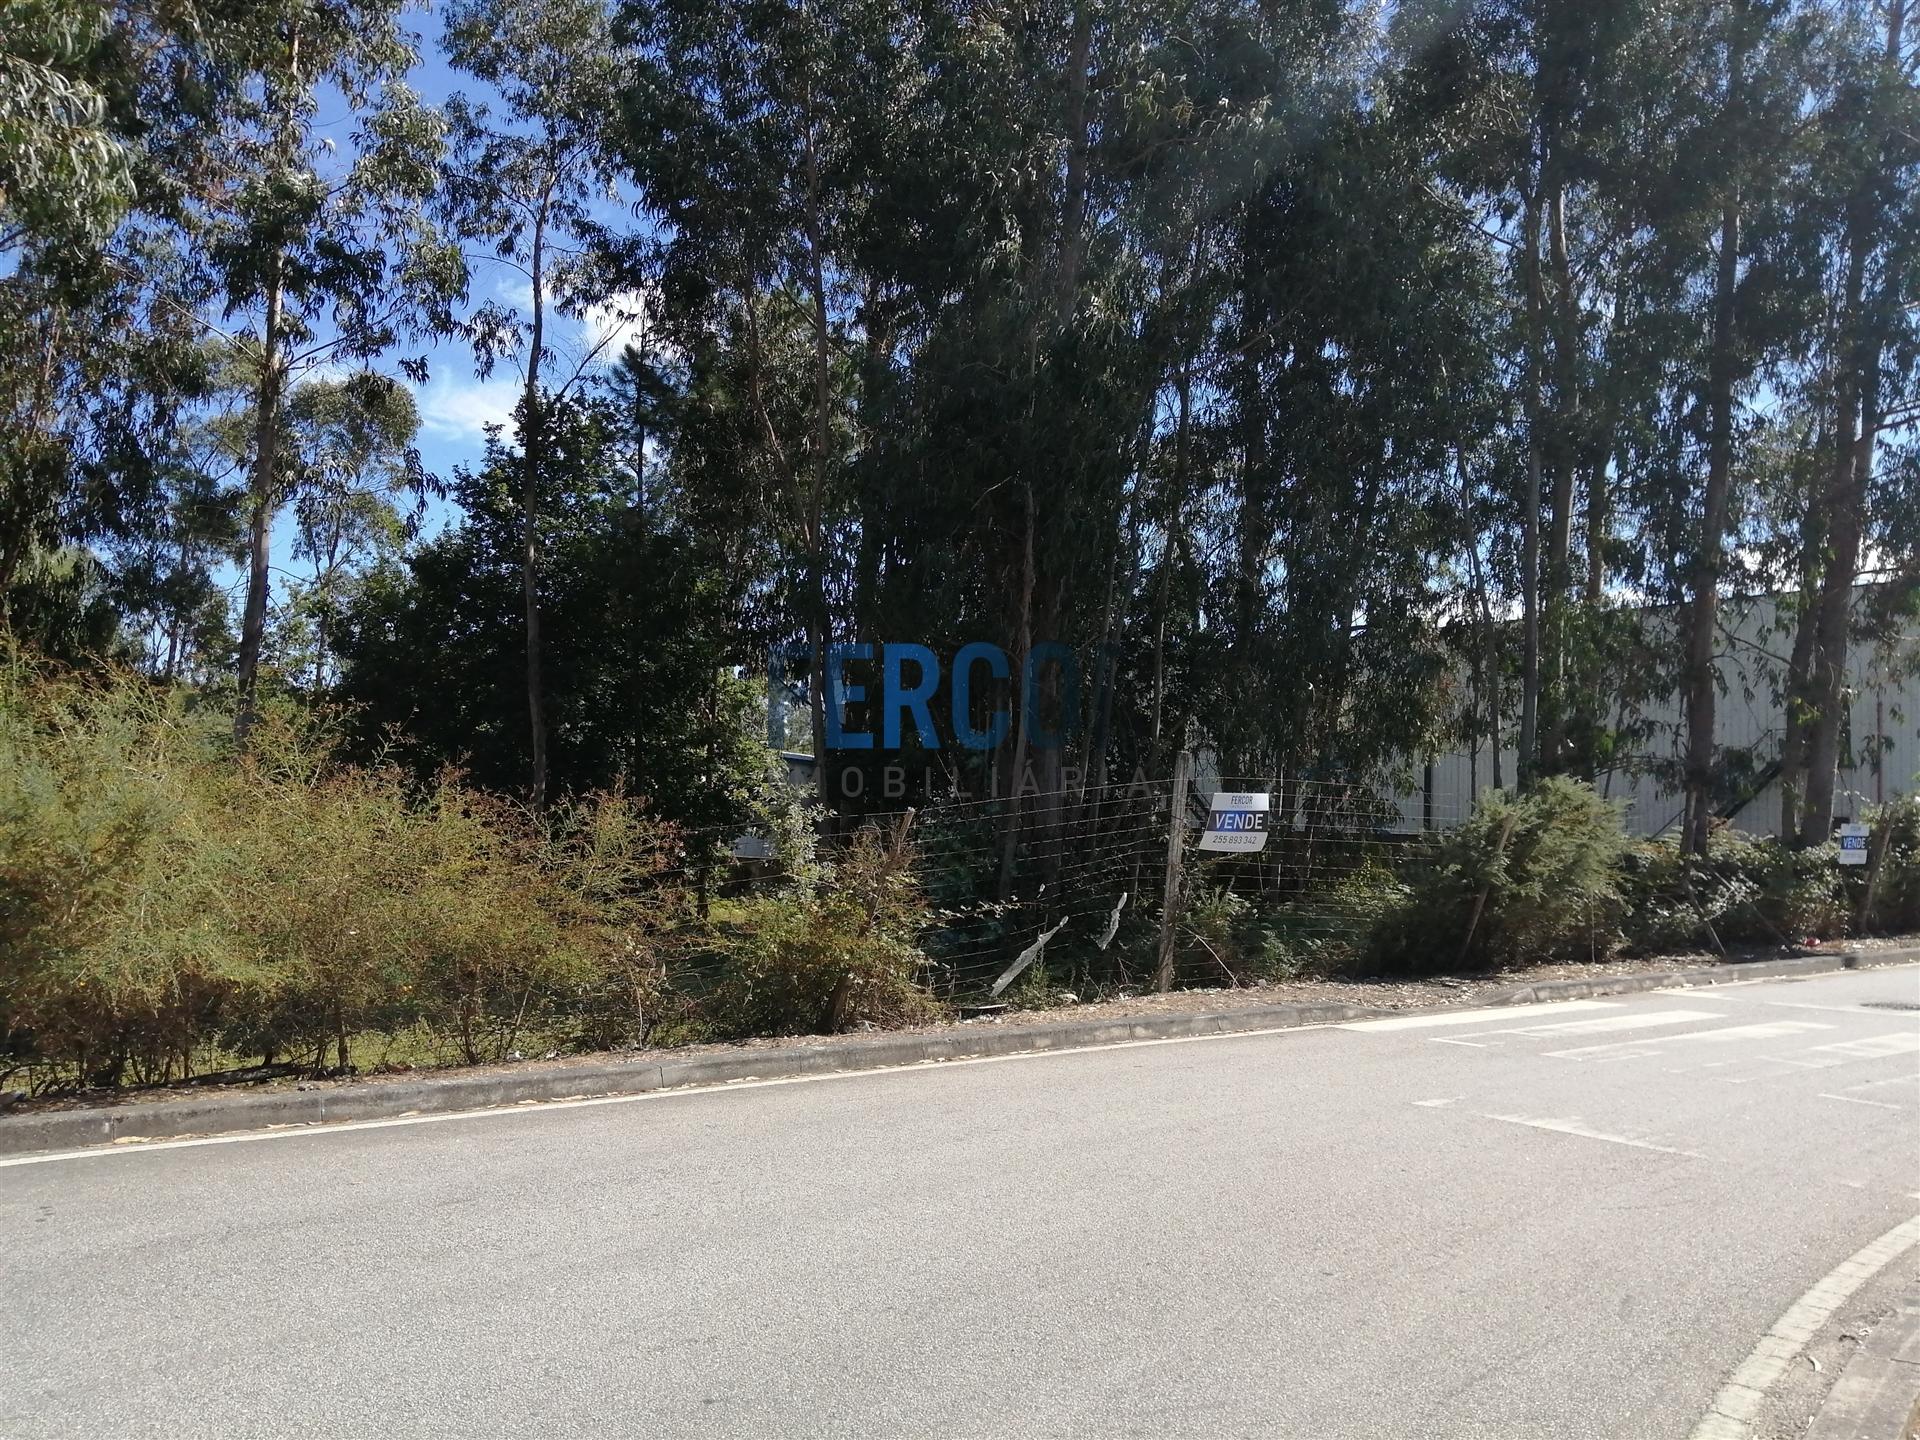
<point>443,1094</point>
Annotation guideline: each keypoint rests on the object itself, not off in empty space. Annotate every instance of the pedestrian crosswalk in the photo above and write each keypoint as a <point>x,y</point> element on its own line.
<point>1739,1040</point>
<point>1721,1035</point>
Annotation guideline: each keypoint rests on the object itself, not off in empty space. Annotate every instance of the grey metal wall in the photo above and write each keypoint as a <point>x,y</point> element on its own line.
<point>1883,726</point>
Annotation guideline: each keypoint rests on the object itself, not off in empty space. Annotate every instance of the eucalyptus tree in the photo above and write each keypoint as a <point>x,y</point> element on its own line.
<point>100,111</point>
<point>64,167</point>
<point>742,127</point>
<point>168,583</point>
<point>1720,94</point>
<point>524,182</point>
<point>320,258</point>
<point>1522,101</point>
<point>353,439</point>
<point>1871,159</point>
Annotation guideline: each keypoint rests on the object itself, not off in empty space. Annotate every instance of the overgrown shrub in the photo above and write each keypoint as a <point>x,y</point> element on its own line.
<point>1331,931</point>
<point>1896,892</point>
<point>1246,937</point>
<point>161,894</point>
<point>827,954</point>
<point>1530,877</point>
<point>1746,890</point>
<point>1221,935</point>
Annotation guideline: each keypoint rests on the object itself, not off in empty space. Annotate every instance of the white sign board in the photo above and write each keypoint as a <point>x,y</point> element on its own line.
<point>1853,844</point>
<point>1236,821</point>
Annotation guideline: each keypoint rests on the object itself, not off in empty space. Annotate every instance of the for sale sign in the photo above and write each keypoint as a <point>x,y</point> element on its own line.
<point>1236,821</point>
<point>1853,844</point>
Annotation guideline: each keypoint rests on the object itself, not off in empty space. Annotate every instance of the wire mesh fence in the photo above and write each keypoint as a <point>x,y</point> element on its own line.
<point>1105,889</point>
<point>1070,890</point>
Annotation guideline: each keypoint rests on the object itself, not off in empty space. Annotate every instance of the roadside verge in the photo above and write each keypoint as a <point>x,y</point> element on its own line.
<point>382,1098</point>
<point>1877,1396</point>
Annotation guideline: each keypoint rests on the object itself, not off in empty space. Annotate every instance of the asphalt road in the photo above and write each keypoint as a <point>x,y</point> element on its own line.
<point>1567,1220</point>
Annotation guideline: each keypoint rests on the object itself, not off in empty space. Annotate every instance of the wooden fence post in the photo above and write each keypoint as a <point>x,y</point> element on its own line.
<point>1170,895</point>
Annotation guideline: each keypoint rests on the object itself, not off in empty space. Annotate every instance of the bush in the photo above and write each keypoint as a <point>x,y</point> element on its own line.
<point>1222,936</point>
<point>1531,877</point>
<point>1331,931</point>
<point>1247,939</point>
<point>1749,889</point>
<point>161,895</point>
<point>1896,894</point>
<point>827,954</point>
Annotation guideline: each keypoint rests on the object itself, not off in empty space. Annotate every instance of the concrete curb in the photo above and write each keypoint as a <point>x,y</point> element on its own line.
<point>440,1094</point>
<point>1877,1396</point>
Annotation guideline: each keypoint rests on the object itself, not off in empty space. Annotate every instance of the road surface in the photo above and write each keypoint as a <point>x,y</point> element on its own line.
<point>1561,1220</point>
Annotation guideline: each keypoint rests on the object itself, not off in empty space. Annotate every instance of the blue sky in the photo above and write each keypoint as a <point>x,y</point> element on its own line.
<point>456,404</point>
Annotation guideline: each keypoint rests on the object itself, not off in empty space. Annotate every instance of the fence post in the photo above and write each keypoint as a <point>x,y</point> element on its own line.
<point>1170,895</point>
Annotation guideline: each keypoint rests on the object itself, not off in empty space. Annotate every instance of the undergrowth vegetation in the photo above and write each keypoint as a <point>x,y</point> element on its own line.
<point>170,904</point>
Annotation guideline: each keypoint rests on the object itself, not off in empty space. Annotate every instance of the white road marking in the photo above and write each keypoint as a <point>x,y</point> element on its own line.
<point>1741,1397</point>
<point>1749,1032</point>
<point>1645,1020</point>
<point>1890,1080</point>
<point>1841,1052</point>
<point>1470,1044</point>
<point>1474,1017</point>
<point>1772,1031</point>
<point>1873,1047</point>
<point>1587,1132</point>
<point>140,1146</point>
<point>1436,1104</point>
<point>1857,1100</point>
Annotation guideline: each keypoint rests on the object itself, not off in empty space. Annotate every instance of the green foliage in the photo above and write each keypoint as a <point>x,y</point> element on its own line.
<point>1263,354</point>
<point>158,894</point>
<point>837,954</point>
<point>1531,877</point>
<point>1221,925</point>
<point>1896,897</point>
<point>638,691</point>
<point>1330,930</point>
<point>1747,890</point>
<point>62,167</point>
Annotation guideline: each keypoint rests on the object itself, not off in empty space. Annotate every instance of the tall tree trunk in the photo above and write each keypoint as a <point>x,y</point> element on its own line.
<point>1022,647</point>
<point>1526,763</point>
<point>1703,611</point>
<point>1074,200</point>
<point>1796,696</point>
<point>1796,727</point>
<point>533,457</point>
<point>1827,678</point>
<point>263,481</point>
<point>1558,586</point>
<point>1241,723</point>
<point>1489,665</point>
<point>1163,577</point>
<point>1857,421</point>
<point>263,496</point>
<point>813,521</point>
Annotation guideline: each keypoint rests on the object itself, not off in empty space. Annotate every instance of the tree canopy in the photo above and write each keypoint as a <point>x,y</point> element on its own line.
<point>1341,384</point>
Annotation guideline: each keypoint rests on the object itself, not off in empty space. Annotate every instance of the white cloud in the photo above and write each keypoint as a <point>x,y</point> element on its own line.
<point>617,322</point>
<point>461,409</point>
